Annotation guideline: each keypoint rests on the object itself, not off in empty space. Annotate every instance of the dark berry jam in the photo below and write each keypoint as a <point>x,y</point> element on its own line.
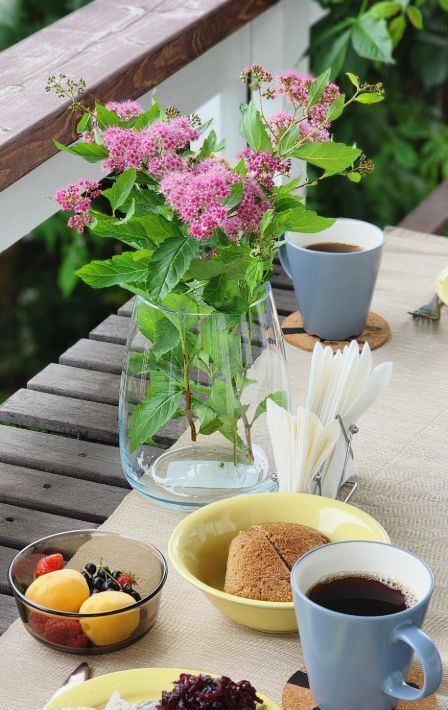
<point>196,692</point>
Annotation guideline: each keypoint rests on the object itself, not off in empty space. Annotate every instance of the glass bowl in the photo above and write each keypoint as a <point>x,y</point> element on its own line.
<point>102,631</point>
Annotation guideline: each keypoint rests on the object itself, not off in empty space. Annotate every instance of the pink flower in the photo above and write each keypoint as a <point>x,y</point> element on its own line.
<point>313,133</point>
<point>262,166</point>
<point>294,86</point>
<point>280,121</point>
<point>198,195</point>
<point>129,148</point>
<point>256,73</point>
<point>77,198</point>
<point>125,109</point>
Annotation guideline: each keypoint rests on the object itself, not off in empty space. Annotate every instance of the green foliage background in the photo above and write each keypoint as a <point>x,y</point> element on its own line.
<point>44,308</point>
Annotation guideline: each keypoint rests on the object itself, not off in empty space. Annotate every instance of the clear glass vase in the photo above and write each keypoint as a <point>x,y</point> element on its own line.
<point>196,384</point>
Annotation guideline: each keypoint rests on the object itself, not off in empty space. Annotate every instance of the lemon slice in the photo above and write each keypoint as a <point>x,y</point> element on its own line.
<point>441,285</point>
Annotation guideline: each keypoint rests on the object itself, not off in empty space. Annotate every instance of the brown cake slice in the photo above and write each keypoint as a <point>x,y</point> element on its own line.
<point>260,559</point>
<point>255,570</point>
<point>292,540</point>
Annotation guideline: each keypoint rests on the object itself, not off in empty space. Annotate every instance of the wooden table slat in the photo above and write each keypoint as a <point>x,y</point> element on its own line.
<point>95,355</point>
<point>113,329</point>
<point>8,612</point>
<point>20,526</point>
<point>75,417</point>
<point>101,387</point>
<point>7,555</point>
<point>62,455</point>
<point>51,493</point>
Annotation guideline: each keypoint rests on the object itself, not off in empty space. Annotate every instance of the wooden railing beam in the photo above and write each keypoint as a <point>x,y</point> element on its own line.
<point>121,50</point>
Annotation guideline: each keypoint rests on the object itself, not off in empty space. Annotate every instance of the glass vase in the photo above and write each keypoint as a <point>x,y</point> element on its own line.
<point>195,383</point>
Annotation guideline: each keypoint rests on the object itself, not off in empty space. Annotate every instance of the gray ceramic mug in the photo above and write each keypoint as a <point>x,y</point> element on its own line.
<point>359,662</point>
<point>334,290</point>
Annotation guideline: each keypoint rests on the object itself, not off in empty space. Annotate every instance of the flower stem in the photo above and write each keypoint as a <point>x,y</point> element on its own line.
<point>187,391</point>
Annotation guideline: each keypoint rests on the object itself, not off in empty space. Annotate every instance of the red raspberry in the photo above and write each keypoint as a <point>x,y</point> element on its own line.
<point>51,563</point>
<point>38,622</point>
<point>126,578</point>
<point>67,633</point>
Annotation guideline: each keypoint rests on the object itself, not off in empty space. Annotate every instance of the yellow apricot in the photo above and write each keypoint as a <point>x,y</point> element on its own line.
<point>61,590</point>
<point>103,631</point>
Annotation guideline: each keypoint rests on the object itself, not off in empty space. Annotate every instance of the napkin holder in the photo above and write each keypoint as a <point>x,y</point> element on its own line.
<point>350,485</point>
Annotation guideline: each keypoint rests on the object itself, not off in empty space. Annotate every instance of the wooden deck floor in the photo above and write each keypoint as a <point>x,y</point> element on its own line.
<point>59,462</point>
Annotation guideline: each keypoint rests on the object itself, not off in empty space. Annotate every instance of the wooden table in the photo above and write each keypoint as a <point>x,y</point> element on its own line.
<point>60,464</point>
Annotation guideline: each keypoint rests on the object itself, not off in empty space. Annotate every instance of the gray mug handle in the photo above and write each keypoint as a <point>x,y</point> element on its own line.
<point>428,655</point>
<point>283,256</point>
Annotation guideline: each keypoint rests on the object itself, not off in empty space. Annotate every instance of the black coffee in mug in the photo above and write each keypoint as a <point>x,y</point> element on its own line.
<point>360,596</point>
<point>335,247</point>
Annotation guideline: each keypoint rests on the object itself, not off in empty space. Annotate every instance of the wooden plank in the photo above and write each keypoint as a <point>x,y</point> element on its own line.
<point>63,415</point>
<point>78,383</point>
<point>8,612</point>
<point>431,215</point>
<point>51,493</point>
<point>126,308</point>
<point>7,555</point>
<point>95,355</point>
<point>285,301</point>
<point>141,43</point>
<point>75,417</point>
<point>20,526</point>
<point>58,454</point>
<point>113,329</point>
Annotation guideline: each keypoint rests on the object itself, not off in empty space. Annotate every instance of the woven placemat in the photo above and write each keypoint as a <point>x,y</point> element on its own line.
<point>376,333</point>
<point>297,693</point>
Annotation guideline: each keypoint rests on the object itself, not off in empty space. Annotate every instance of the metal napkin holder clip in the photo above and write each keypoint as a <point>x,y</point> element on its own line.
<point>350,485</point>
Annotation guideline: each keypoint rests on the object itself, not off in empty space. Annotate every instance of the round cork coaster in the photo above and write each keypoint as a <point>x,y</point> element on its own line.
<point>297,694</point>
<point>376,333</point>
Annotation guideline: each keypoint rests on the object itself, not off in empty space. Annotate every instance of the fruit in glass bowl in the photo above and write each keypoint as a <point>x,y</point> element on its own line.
<point>75,605</point>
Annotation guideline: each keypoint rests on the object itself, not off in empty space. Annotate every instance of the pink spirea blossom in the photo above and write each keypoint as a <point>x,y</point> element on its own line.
<point>313,133</point>
<point>280,120</point>
<point>129,148</point>
<point>198,195</point>
<point>294,86</point>
<point>125,109</point>
<point>77,198</point>
<point>262,166</point>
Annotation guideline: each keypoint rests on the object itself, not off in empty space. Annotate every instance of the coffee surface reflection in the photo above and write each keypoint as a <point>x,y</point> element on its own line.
<point>335,247</point>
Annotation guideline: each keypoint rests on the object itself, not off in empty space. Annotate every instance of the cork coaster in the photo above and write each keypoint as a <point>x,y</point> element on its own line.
<point>297,694</point>
<point>376,333</point>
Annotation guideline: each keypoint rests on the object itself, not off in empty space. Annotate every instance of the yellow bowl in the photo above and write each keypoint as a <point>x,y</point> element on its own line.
<point>198,546</point>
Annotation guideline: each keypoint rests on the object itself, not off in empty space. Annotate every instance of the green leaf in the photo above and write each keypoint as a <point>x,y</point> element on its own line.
<point>331,157</point>
<point>209,146</point>
<point>266,220</point>
<point>254,273</point>
<point>396,29</point>
<point>371,39</point>
<point>288,139</point>
<point>333,55</point>
<point>415,16</point>
<point>336,108</point>
<point>133,231</point>
<point>128,266</point>
<point>384,10</point>
<point>91,152</point>
<point>317,87</point>
<point>151,415</point>
<point>279,398</point>
<point>204,269</point>
<point>354,177</point>
<point>253,129</point>
<point>107,117</point>
<point>369,98</point>
<point>129,213</point>
<point>235,196</point>
<point>121,188</point>
<point>353,78</point>
<point>300,219</point>
<point>444,5</point>
<point>83,122</point>
<point>168,264</point>
<point>215,291</point>
<point>149,116</point>
<point>166,337</point>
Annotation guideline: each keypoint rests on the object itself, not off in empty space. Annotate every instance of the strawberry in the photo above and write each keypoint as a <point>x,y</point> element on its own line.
<point>51,563</point>
<point>126,578</point>
<point>66,633</point>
